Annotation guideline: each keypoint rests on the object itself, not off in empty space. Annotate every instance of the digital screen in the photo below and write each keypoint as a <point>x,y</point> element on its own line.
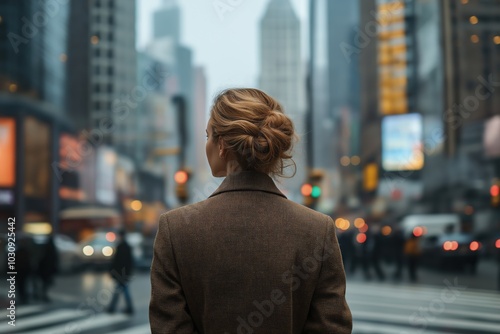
<point>402,148</point>
<point>7,152</point>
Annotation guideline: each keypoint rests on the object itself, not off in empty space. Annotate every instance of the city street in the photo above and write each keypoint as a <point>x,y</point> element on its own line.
<point>450,302</point>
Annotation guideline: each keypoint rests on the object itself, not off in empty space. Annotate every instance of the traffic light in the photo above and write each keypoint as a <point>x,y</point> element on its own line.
<point>181,178</point>
<point>495,194</point>
<point>311,190</point>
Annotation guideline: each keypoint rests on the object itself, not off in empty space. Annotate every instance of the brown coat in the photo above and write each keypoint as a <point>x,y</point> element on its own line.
<point>247,260</point>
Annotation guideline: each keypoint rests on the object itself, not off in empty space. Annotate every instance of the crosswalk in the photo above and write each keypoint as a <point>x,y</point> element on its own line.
<point>41,319</point>
<point>411,309</point>
<point>376,308</point>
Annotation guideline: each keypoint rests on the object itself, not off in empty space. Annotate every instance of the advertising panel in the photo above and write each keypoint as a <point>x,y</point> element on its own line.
<point>7,152</point>
<point>37,164</point>
<point>402,148</point>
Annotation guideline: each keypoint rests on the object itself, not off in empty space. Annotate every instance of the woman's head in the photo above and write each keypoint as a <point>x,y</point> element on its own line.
<point>248,126</point>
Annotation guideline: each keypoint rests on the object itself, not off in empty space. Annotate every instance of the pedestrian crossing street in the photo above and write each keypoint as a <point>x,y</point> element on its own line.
<point>376,308</point>
<point>410,309</point>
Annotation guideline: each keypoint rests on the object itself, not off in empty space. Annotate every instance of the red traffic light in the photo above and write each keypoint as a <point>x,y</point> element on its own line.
<point>181,176</point>
<point>495,190</point>
<point>306,189</point>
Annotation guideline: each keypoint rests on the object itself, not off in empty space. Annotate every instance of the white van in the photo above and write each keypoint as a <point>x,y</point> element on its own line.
<point>430,224</point>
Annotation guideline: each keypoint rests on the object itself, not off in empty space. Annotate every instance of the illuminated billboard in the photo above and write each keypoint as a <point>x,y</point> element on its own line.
<point>402,148</point>
<point>7,152</point>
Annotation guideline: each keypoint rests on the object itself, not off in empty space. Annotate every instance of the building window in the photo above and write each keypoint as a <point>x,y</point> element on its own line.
<point>110,70</point>
<point>98,3</point>
<point>97,70</point>
<point>111,20</point>
<point>111,4</point>
<point>97,88</point>
<point>97,52</point>
<point>110,53</point>
<point>97,19</point>
<point>110,36</point>
<point>97,105</point>
<point>110,88</point>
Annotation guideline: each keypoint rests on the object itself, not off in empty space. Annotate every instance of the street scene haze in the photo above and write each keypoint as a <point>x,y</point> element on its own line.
<point>104,109</point>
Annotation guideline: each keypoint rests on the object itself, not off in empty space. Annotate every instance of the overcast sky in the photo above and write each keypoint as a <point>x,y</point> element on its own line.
<point>225,44</point>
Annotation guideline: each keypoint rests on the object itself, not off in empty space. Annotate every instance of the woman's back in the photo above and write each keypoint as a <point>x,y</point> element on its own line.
<point>250,261</point>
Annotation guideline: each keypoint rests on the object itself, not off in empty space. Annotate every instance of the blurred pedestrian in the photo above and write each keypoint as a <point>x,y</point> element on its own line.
<point>121,270</point>
<point>24,269</point>
<point>412,252</point>
<point>373,252</point>
<point>398,247</point>
<point>227,263</point>
<point>48,267</point>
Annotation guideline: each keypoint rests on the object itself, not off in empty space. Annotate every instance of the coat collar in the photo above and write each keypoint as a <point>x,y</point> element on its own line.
<point>248,180</point>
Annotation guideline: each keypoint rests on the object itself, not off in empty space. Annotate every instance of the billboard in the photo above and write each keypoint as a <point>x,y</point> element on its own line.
<point>8,152</point>
<point>37,162</point>
<point>402,148</point>
<point>105,180</point>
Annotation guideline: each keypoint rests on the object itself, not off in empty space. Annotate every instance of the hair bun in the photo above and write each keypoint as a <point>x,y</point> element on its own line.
<point>255,129</point>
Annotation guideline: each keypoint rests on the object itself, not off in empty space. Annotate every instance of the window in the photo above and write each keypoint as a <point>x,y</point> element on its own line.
<point>98,3</point>
<point>110,88</point>
<point>97,70</point>
<point>111,4</point>
<point>97,52</point>
<point>110,53</point>
<point>110,36</point>
<point>111,20</point>
<point>97,105</point>
<point>110,70</point>
<point>97,19</point>
<point>97,88</point>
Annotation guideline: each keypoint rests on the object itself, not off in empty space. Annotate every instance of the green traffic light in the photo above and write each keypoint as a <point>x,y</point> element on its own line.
<point>316,192</point>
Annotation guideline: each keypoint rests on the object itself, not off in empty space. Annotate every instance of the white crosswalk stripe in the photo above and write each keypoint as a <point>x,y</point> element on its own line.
<point>41,319</point>
<point>399,309</point>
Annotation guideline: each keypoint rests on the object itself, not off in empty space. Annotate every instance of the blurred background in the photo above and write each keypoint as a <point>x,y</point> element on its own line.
<point>103,111</point>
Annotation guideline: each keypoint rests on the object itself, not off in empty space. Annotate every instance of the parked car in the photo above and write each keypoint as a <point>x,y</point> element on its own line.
<point>67,249</point>
<point>454,250</point>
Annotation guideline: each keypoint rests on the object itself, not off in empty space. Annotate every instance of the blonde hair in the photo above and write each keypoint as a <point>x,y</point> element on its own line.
<point>255,129</point>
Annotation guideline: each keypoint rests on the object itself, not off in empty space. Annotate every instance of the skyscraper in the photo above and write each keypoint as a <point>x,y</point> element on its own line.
<point>103,69</point>
<point>281,75</point>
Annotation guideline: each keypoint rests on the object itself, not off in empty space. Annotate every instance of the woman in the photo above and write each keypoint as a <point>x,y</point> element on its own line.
<point>247,259</point>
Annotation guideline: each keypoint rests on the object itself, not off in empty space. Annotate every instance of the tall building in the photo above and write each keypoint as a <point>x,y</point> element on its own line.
<point>281,76</point>
<point>33,54</point>
<point>167,21</point>
<point>103,70</point>
<point>471,46</point>
<point>334,96</point>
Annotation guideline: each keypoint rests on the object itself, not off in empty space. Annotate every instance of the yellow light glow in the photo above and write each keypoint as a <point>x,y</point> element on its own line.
<point>473,20</point>
<point>12,88</point>
<point>37,228</point>
<point>88,250</point>
<point>345,161</point>
<point>355,160</point>
<point>359,222</point>
<point>136,205</point>
<point>496,40</point>
<point>465,2</point>
<point>94,40</point>
<point>107,251</point>
<point>63,57</point>
<point>386,230</point>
